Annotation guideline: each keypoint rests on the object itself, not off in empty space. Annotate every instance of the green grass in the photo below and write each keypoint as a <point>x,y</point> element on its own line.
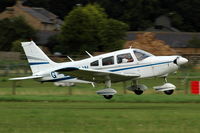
<point>128,98</point>
<point>45,108</point>
<point>83,117</point>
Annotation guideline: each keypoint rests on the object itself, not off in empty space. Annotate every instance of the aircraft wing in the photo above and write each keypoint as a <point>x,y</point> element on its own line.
<point>28,77</point>
<point>97,75</point>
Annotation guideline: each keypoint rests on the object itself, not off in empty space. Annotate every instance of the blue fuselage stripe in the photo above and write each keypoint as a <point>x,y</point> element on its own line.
<point>121,69</point>
<point>38,63</point>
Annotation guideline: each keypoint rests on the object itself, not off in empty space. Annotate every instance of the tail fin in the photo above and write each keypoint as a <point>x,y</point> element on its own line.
<point>37,59</point>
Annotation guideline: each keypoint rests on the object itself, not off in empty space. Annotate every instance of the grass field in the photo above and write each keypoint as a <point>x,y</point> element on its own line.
<point>45,108</point>
<point>84,117</point>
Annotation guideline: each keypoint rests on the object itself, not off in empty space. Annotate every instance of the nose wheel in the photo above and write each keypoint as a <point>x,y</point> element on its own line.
<point>167,88</point>
<point>168,92</point>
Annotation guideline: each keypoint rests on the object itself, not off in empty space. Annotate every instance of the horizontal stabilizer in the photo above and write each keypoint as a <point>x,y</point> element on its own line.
<point>28,77</point>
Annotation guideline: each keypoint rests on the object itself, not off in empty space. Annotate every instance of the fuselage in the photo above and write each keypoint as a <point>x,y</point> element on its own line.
<point>127,61</point>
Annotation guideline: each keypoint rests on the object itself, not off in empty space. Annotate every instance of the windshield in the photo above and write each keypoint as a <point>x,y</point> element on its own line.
<point>141,55</point>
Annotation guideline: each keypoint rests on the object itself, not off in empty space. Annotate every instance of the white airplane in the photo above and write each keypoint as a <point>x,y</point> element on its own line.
<point>122,65</point>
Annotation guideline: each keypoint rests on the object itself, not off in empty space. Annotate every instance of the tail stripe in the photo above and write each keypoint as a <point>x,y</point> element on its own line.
<point>38,63</point>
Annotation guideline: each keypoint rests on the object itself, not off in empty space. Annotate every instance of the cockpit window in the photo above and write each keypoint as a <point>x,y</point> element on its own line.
<point>141,55</point>
<point>124,58</point>
<point>94,63</point>
<point>108,61</point>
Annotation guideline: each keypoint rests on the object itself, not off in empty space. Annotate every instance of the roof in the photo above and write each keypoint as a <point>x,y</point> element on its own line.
<point>45,12</point>
<point>42,14</point>
<point>37,15</point>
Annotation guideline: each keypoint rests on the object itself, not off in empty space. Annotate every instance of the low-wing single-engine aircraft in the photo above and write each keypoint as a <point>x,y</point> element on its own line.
<point>122,65</point>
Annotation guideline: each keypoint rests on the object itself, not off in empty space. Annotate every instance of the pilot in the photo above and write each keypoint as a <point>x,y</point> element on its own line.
<point>124,60</point>
<point>127,59</point>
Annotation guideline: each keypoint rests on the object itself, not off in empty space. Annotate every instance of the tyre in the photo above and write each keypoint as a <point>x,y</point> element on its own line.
<point>169,92</point>
<point>138,92</point>
<point>108,96</point>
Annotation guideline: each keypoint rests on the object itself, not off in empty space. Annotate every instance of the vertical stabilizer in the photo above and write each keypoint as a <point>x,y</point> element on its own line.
<point>37,59</point>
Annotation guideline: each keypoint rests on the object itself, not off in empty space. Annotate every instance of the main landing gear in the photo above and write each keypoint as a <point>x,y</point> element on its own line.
<point>108,92</point>
<point>137,88</point>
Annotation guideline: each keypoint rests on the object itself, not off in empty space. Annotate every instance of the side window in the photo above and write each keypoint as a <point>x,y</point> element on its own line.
<point>124,58</point>
<point>108,61</point>
<point>94,63</point>
<point>140,56</point>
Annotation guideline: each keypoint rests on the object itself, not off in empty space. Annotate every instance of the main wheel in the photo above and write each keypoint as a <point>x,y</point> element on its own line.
<point>108,96</point>
<point>168,92</point>
<point>138,92</point>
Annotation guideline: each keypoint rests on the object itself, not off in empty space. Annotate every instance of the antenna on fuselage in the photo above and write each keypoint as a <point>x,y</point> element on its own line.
<point>130,47</point>
<point>88,53</point>
<point>70,58</point>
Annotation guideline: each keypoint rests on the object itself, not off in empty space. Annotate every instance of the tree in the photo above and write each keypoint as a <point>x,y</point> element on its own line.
<point>14,29</point>
<point>88,28</point>
<point>139,14</point>
<point>6,3</point>
<point>112,34</point>
<point>59,7</point>
<point>16,46</point>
